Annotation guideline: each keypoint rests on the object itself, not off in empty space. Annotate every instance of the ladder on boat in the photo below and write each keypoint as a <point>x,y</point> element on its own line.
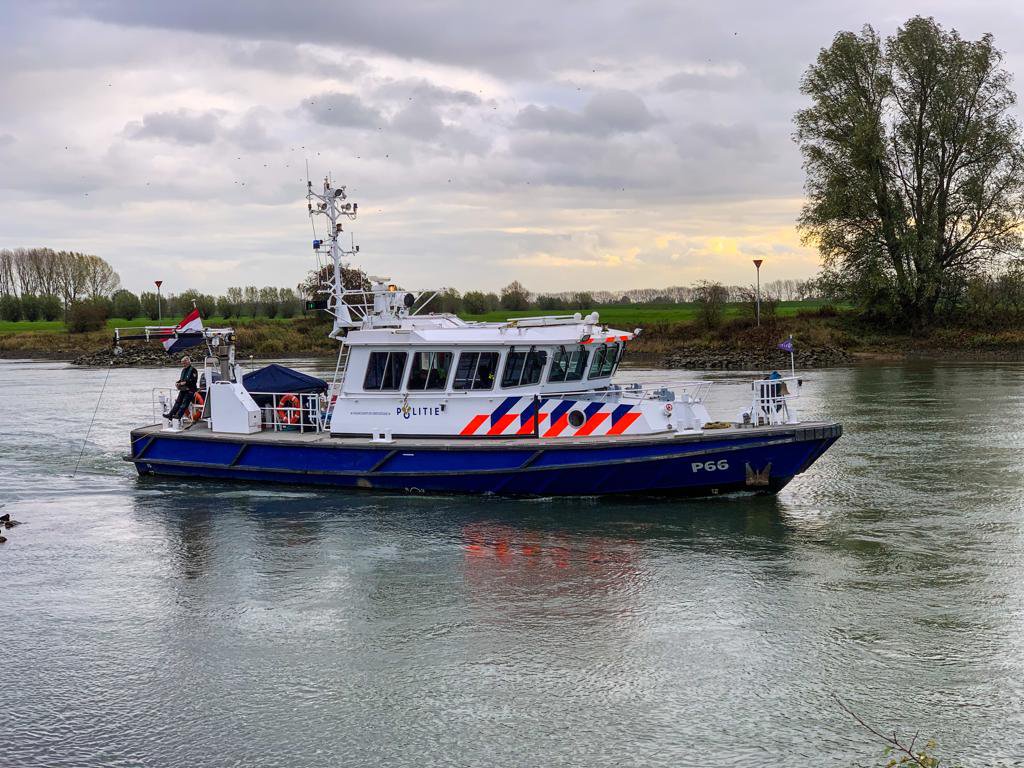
<point>340,368</point>
<point>334,390</point>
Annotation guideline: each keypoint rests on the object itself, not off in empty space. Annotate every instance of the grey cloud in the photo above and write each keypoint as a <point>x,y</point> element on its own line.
<point>427,92</point>
<point>6,138</point>
<point>419,121</point>
<point>459,33</point>
<point>536,118</point>
<point>342,110</point>
<point>694,81</point>
<point>422,122</point>
<point>532,39</point>
<point>465,142</point>
<point>697,138</point>
<point>606,113</point>
<point>251,132</point>
<point>699,160</point>
<point>526,38</point>
<point>189,129</point>
<point>286,58</point>
<point>180,127</point>
<point>592,161</point>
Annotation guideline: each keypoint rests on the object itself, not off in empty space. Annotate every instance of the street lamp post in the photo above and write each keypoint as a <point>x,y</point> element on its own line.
<point>159,313</point>
<point>757,266</point>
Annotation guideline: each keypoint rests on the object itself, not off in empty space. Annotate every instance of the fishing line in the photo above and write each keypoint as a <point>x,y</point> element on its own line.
<point>91,422</point>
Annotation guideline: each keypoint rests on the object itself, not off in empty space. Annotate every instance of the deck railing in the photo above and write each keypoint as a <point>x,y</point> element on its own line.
<point>307,412</point>
<point>284,411</point>
<point>668,389</point>
<point>160,401</point>
<point>772,402</point>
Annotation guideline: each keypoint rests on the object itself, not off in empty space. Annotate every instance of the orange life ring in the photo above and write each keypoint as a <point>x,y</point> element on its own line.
<point>195,410</point>
<point>288,409</point>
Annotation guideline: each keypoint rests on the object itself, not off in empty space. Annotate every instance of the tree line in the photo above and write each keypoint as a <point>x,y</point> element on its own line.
<point>516,297</point>
<point>41,283</point>
<point>84,291</point>
<point>235,302</point>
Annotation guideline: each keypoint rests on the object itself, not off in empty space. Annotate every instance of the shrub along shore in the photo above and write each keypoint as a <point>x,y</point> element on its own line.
<point>822,337</point>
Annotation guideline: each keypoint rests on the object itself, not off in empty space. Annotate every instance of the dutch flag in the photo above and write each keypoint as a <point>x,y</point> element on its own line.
<point>188,333</point>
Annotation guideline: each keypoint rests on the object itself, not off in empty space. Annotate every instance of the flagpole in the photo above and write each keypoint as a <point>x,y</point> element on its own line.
<point>792,359</point>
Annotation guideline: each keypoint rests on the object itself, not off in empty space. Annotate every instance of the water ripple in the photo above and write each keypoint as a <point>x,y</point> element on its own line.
<point>157,623</point>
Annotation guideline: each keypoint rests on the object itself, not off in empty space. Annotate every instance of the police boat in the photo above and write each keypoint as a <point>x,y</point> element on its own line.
<point>428,402</point>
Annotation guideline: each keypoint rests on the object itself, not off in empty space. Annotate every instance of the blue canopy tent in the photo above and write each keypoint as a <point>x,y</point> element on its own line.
<point>277,379</point>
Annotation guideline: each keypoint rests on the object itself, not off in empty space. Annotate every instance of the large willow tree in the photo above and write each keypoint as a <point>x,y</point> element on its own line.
<point>915,169</point>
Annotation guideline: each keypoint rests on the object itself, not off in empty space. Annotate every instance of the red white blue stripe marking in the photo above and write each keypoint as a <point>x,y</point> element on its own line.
<point>549,417</point>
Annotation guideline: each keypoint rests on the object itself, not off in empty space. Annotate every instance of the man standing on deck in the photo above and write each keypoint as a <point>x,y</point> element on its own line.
<point>187,385</point>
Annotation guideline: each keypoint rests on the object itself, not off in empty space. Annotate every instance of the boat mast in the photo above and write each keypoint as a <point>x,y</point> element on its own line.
<point>332,205</point>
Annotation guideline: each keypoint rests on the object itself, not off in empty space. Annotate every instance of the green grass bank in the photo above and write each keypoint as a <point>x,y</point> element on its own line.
<point>674,334</point>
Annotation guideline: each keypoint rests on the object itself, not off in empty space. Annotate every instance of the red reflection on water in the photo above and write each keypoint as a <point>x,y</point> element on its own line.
<point>497,547</point>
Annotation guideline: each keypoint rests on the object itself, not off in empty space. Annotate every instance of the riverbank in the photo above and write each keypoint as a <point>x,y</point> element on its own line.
<point>263,339</point>
<point>821,341</point>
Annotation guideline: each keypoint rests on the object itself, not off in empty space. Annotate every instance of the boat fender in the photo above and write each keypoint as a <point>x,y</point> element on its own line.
<point>288,409</point>
<point>195,411</point>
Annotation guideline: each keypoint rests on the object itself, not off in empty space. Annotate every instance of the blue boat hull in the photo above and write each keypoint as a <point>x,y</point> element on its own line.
<point>757,461</point>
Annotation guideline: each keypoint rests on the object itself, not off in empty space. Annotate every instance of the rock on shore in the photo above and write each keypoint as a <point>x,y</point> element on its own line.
<point>130,357</point>
<point>723,358</point>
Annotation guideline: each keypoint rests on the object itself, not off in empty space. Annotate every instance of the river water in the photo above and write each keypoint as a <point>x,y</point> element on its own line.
<point>145,622</point>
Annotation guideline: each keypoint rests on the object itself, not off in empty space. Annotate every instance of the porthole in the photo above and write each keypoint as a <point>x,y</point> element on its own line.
<point>576,419</point>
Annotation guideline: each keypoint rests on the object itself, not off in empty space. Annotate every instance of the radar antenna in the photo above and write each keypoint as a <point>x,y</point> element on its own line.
<point>332,204</point>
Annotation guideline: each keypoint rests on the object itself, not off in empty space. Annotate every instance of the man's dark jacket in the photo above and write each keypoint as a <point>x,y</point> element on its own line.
<point>190,377</point>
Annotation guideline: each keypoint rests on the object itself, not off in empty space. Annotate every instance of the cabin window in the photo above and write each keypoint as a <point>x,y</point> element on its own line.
<point>605,359</point>
<point>384,371</point>
<point>476,370</point>
<point>430,370</point>
<point>568,364</point>
<point>524,367</point>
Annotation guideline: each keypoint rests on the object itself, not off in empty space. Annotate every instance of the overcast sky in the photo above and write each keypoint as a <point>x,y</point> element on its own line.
<point>578,144</point>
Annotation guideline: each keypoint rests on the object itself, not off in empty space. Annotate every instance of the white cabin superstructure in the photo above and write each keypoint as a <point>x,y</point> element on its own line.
<point>404,373</point>
<point>437,375</point>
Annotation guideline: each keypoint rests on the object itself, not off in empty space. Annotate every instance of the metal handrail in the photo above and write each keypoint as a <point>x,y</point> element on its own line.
<point>790,384</point>
<point>362,305</point>
<point>771,401</point>
<point>309,414</point>
<point>169,397</point>
<point>155,398</point>
<point>697,390</point>
<point>635,390</point>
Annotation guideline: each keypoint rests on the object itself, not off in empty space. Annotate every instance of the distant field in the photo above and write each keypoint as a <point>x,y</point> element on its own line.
<point>627,315</point>
<point>40,325</point>
<point>54,326</point>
